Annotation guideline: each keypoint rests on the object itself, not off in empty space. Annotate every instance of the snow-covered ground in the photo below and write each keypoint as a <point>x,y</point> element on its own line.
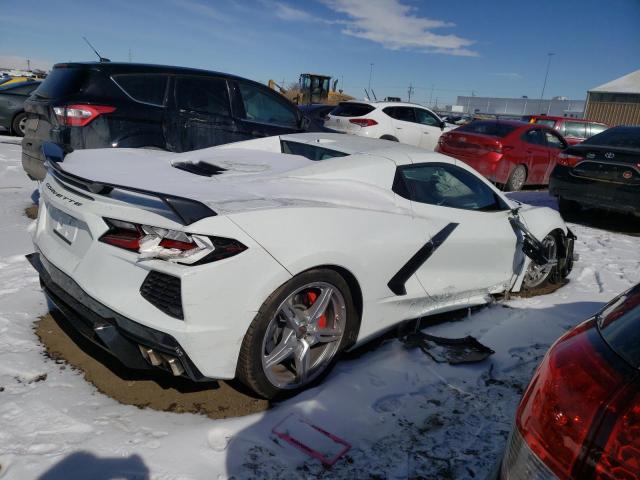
<point>404,415</point>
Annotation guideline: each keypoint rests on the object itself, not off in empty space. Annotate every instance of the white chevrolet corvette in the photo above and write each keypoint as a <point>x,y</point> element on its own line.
<point>264,259</point>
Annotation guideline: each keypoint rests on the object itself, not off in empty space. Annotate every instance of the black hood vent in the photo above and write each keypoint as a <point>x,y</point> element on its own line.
<point>200,168</point>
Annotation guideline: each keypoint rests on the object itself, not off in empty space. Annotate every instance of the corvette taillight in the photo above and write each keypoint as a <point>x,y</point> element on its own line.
<point>165,244</point>
<point>79,115</point>
<point>561,414</point>
<point>568,160</point>
<point>363,122</point>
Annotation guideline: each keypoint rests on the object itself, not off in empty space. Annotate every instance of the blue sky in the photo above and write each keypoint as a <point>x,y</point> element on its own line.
<point>444,48</point>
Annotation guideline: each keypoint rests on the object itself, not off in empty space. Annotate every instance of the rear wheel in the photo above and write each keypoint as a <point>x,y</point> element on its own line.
<point>538,276</point>
<point>19,124</point>
<point>516,179</point>
<point>297,334</point>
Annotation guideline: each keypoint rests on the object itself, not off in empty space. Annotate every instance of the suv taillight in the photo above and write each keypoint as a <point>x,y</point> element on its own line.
<point>561,413</point>
<point>568,160</point>
<point>80,115</point>
<point>363,122</point>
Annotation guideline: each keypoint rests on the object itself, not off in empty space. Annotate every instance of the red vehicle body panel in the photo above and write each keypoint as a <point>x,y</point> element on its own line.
<point>560,123</point>
<point>496,157</point>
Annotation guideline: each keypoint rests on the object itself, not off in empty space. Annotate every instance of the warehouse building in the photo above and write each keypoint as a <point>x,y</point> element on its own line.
<point>616,102</point>
<point>559,106</point>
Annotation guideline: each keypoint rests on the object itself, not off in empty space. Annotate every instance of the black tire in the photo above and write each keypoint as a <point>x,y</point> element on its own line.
<point>517,179</point>
<point>17,125</point>
<point>568,208</point>
<point>250,370</point>
<point>391,138</point>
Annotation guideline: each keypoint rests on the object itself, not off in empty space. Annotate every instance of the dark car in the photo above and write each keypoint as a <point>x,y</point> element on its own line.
<point>509,153</point>
<point>574,130</point>
<point>12,98</point>
<point>601,172</point>
<point>579,417</point>
<point>316,111</point>
<point>97,105</point>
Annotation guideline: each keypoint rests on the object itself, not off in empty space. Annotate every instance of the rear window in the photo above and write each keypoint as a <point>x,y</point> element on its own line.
<point>352,110</point>
<point>494,129</point>
<point>61,82</point>
<point>619,324</point>
<point>143,87</point>
<point>546,122</point>
<point>623,137</point>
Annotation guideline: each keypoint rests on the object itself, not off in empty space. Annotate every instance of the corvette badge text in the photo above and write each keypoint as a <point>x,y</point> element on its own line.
<point>63,197</point>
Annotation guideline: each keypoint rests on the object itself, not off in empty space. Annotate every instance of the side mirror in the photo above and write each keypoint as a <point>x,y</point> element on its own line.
<point>442,125</point>
<point>52,152</point>
<point>304,122</point>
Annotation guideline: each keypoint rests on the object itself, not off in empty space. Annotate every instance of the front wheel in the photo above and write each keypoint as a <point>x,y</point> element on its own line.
<point>19,124</point>
<point>538,276</point>
<point>516,179</point>
<point>297,334</point>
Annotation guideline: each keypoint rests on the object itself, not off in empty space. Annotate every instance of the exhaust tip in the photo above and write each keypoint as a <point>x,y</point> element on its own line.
<point>162,360</point>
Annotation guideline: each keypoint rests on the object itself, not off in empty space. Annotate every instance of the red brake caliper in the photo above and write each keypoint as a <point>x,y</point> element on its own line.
<point>311,298</point>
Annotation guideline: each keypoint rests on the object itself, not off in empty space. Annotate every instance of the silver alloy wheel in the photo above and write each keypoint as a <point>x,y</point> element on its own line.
<point>518,178</point>
<point>537,274</point>
<point>22,125</point>
<point>304,335</point>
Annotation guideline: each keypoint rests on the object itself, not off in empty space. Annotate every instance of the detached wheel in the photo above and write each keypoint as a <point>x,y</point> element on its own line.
<point>516,179</point>
<point>538,276</point>
<point>297,334</point>
<point>19,124</point>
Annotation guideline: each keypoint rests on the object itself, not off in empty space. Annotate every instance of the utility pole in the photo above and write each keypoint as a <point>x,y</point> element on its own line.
<point>546,76</point>
<point>370,75</point>
<point>431,96</point>
<point>410,91</point>
<point>28,65</point>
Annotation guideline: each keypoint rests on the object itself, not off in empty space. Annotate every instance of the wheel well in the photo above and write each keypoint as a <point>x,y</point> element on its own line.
<point>355,290</point>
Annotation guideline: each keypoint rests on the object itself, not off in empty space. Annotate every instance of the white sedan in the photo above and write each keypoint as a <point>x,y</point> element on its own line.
<point>396,121</point>
<point>265,259</point>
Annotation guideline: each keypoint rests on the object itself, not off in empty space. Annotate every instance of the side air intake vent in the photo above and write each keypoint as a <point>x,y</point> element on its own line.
<point>200,168</point>
<point>164,292</point>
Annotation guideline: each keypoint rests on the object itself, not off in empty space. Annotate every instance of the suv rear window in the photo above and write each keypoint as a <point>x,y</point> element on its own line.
<point>495,129</point>
<point>143,87</point>
<point>352,110</point>
<point>619,324</point>
<point>61,82</point>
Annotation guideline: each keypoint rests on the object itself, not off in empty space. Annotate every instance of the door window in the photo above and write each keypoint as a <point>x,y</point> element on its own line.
<point>405,114</point>
<point>554,141</point>
<point>143,87</point>
<point>207,95</point>
<point>426,118</point>
<point>446,185</point>
<point>262,107</point>
<point>535,137</point>
<point>575,129</point>
<point>596,128</point>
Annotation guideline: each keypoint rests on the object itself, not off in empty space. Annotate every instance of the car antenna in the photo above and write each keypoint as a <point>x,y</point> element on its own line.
<point>374,95</point>
<point>100,57</point>
<point>367,94</point>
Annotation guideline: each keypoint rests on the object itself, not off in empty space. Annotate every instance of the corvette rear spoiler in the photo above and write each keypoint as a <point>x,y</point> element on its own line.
<point>187,210</point>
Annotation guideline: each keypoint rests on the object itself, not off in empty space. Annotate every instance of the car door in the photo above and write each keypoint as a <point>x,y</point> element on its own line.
<point>260,112</point>
<point>430,126</point>
<point>472,248</point>
<point>536,155</point>
<point>555,144</point>
<point>403,124</point>
<point>200,114</point>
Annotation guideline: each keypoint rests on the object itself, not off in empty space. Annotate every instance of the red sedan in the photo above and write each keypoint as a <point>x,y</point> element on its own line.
<point>509,153</point>
<point>580,416</point>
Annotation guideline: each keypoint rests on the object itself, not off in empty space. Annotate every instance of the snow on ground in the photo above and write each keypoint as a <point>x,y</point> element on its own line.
<point>405,415</point>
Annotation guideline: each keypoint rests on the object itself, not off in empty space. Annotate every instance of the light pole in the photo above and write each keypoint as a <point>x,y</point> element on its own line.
<point>546,76</point>
<point>370,75</point>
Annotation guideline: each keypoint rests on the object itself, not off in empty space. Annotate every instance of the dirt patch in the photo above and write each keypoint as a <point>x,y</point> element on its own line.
<point>31,212</point>
<point>156,390</point>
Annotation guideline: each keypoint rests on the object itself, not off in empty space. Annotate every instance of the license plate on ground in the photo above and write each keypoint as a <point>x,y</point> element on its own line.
<point>64,226</point>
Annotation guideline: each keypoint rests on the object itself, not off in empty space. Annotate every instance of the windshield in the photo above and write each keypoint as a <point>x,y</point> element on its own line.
<point>622,137</point>
<point>495,129</point>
